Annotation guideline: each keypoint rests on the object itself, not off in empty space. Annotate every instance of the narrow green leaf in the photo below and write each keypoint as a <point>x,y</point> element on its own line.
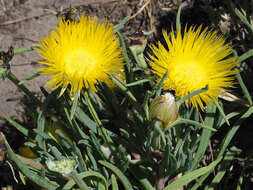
<point>4,72</point>
<point>97,120</point>
<point>78,180</point>
<point>226,142</point>
<point>182,139</point>
<point>169,161</point>
<point>223,167</point>
<point>141,176</point>
<point>200,181</point>
<point>179,145</point>
<point>205,136</point>
<point>240,181</point>
<point>42,134</point>
<point>110,98</point>
<point>81,161</point>
<point>114,182</point>
<point>96,101</point>
<point>145,105</point>
<point>182,100</point>
<point>57,154</point>
<point>23,50</point>
<point>229,116</point>
<point>187,178</point>
<point>65,140</point>
<point>244,88</point>
<point>123,88</point>
<point>33,76</point>
<point>243,19</point>
<point>120,175</point>
<point>63,135</point>
<point>222,112</point>
<point>22,177</point>
<point>137,52</point>
<point>233,130</point>
<point>74,105</point>
<point>146,184</point>
<point>127,60</point>
<point>121,24</point>
<point>96,144</point>
<point>84,142</point>
<point>178,23</point>
<point>83,175</point>
<point>140,81</point>
<point>146,33</point>
<point>31,175</point>
<point>101,186</point>
<point>158,87</point>
<point>22,87</point>
<point>42,120</point>
<point>245,56</point>
<point>44,92</point>
<point>78,131</point>
<point>40,128</point>
<point>91,158</point>
<point>86,120</point>
<point>92,109</point>
<point>191,122</point>
<point>158,129</point>
<point>19,127</point>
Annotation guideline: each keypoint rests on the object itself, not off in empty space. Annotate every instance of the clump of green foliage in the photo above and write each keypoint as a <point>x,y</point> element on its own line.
<point>107,140</point>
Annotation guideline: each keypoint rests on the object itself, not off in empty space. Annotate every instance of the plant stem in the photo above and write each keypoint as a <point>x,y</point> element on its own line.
<point>14,79</point>
<point>97,120</point>
<point>23,50</point>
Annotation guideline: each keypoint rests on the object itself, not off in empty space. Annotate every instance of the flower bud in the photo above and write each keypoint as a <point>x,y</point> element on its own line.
<point>163,108</point>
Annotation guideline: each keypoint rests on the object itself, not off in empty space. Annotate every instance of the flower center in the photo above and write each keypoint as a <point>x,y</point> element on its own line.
<point>79,62</point>
<point>191,73</point>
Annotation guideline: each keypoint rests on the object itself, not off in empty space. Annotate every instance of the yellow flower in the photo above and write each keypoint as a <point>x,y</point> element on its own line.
<point>81,54</point>
<point>193,61</point>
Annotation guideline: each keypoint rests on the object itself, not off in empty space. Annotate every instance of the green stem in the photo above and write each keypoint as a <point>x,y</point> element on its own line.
<point>78,180</point>
<point>14,79</point>
<point>158,136</point>
<point>97,120</point>
<point>191,122</point>
<point>23,50</point>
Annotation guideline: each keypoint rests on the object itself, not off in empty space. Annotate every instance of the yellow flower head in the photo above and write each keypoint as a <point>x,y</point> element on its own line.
<point>80,54</point>
<point>193,61</point>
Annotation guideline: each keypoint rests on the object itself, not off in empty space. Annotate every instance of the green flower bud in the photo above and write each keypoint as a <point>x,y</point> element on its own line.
<point>163,108</point>
<point>64,166</point>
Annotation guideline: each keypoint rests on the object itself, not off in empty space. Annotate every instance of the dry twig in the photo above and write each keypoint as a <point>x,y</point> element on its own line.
<point>140,10</point>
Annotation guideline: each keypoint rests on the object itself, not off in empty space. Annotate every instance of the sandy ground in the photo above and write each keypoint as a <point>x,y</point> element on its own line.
<point>20,35</point>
